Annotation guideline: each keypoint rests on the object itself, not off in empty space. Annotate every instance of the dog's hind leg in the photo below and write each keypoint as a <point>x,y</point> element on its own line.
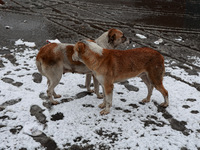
<point>88,82</point>
<point>54,78</point>
<point>149,85</point>
<point>164,92</point>
<point>156,76</point>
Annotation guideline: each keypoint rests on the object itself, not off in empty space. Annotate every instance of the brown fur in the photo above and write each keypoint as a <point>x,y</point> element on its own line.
<point>55,59</point>
<point>115,66</point>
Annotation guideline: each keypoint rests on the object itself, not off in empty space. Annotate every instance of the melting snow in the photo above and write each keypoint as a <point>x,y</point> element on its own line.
<point>126,127</point>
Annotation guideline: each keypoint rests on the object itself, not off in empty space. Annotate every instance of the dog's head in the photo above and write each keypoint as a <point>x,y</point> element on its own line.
<point>116,37</point>
<point>84,48</point>
<point>79,49</point>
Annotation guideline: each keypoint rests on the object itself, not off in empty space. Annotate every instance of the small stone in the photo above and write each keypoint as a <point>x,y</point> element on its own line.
<point>64,100</point>
<point>11,102</point>
<point>88,105</point>
<point>123,100</point>
<point>17,84</point>
<point>16,129</point>
<point>43,96</point>
<point>177,125</point>
<point>131,87</point>
<point>120,93</point>
<point>7,80</point>
<point>194,111</point>
<point>82,94</point>
<point>1,64</point>
<point>186,106</point>
<point>57,116</point>
<point>134,105</point>
<point>45,141</point>
<point>191,99</point>
<point>36,111</point>
<point>37,77</point>
<point>127,111</point>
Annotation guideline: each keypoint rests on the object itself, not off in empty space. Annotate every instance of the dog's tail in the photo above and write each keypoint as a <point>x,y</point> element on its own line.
<point>39,66</point>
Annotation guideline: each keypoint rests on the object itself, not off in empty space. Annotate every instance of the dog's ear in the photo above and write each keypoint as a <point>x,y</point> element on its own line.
<point>111,36</point>
<point>81,47</point>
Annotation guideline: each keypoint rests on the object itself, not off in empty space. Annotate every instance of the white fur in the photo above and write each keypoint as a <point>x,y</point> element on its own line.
<point>61,46</point>
<point>94,47</point>
<point>103,41</point>
<point>100,78</point>
<point>75,56</point>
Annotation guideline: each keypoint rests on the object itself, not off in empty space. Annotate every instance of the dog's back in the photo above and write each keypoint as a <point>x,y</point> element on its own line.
<point>129,63</point>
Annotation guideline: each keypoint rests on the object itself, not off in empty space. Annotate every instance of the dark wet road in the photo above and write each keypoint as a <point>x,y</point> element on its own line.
<point>73,20</point>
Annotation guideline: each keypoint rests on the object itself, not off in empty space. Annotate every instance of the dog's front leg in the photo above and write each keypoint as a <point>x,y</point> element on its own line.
<point>96,88</point>
<point>107,103</point>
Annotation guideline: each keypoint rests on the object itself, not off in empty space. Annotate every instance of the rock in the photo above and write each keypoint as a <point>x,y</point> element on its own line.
<point>45,141</point>
<point>11,58</point>
<point>7,80</point>
<point>16,129</point>
<point>120,93</point>
<point>194,111</point>
<point>123,100</point>
<point>177,125</point>
<point>131,87</point>
<point>191,99</point>
<point>57,116</point>
<point>10,102</point>
<point>43,96</point>
<point>64,100</point>
<point>127,111</point>
<point>36,111</point>
<point>17,84</point>
<point>2,108</point>
<point>11,81</point>
<point>37,77</point>
<point>47,105</point>
<point>124,82</point>
<point>88,105</point>
<point>1,64</point>
<point>82,94</point>
<point>133,105</point>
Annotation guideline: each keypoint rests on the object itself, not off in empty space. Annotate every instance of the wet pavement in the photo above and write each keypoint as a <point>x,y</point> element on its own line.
<point>175,23</point>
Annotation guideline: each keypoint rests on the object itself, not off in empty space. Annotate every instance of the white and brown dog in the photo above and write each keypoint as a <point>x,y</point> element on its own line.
<point>55,59</point>
<point>110,66</point>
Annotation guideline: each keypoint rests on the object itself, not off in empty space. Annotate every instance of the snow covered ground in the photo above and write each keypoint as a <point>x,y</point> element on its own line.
<point>130,125</point>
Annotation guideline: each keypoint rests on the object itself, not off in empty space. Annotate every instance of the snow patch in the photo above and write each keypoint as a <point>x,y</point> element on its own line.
<point>141,36</point>
<point>21,42</point>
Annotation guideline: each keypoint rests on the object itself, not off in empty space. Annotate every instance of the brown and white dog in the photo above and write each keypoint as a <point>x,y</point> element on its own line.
<point>55,59</point>
<point>110,66</point>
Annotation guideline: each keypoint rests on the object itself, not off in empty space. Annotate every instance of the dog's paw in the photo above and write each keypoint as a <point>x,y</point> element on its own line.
<point>164,105</point>
<point>91,91</point>
<point>57,96</point>
<point>103,105</point>
<point>104,112</point>
<point>145,100</point>
<point>99,96</point>
<point>54,102</point>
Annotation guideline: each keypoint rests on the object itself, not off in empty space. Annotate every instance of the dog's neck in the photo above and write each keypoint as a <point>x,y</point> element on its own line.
<point>103,41</point>
<point>93,60</point>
